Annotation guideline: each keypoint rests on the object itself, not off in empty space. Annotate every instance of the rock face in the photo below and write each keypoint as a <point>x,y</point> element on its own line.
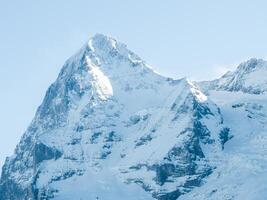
<point>111,128</point>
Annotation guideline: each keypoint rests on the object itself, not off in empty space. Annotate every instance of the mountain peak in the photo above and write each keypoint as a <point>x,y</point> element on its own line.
<point>99,36</point>
<point>107,54</point>
<point>111,128</point>
<point>249,77</point>
<point>251,64</point>
<point>102,42</point>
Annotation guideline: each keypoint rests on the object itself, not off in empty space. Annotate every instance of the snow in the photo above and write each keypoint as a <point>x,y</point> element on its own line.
<point>257,78</point>
<point>102,186</point>
<point>114,119</point>
<point>242,168</point>
<point>201,97</point>
<point>90,44</point>
<point>249,77</point>
<point>101,82</point>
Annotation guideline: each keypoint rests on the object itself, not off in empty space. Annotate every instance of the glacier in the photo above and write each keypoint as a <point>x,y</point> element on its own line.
<point>110,127</point>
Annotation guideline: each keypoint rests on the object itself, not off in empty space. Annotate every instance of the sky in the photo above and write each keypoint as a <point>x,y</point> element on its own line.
<point>200,40</point>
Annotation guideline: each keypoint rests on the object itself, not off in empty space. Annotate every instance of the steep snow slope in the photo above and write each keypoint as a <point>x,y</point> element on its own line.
<point>242,170</point>
<point>111,128</point>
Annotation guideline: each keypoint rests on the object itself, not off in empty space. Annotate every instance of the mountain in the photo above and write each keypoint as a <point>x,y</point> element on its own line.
<point>250,77</point>
<point>242,170</point>
<point>111,128</point>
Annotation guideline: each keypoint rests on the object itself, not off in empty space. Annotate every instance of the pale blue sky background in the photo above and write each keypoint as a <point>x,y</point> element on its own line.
<point>198,39</point>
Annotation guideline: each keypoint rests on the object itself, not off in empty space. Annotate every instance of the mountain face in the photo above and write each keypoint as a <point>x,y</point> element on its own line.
<point>250,77</point>
<point>242,170</point>
<point>111,128</point>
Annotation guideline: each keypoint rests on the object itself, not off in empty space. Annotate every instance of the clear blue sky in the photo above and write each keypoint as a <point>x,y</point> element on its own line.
<point>197,39</point>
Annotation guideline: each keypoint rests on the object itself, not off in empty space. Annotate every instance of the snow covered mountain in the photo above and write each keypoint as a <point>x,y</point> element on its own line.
<point>111,128</point>
<point>241,172</point>
<point>250,77</point>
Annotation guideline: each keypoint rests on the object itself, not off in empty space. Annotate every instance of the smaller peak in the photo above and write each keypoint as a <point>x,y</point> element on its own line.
<point>254,60</point>
<point>249,77</point>
<point>251,64</point>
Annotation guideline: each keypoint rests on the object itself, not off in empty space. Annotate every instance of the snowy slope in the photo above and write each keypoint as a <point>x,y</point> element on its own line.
<point>249,77</point>
<point>242,171</point>
<point>117,130</point>
<point>111,128</point>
